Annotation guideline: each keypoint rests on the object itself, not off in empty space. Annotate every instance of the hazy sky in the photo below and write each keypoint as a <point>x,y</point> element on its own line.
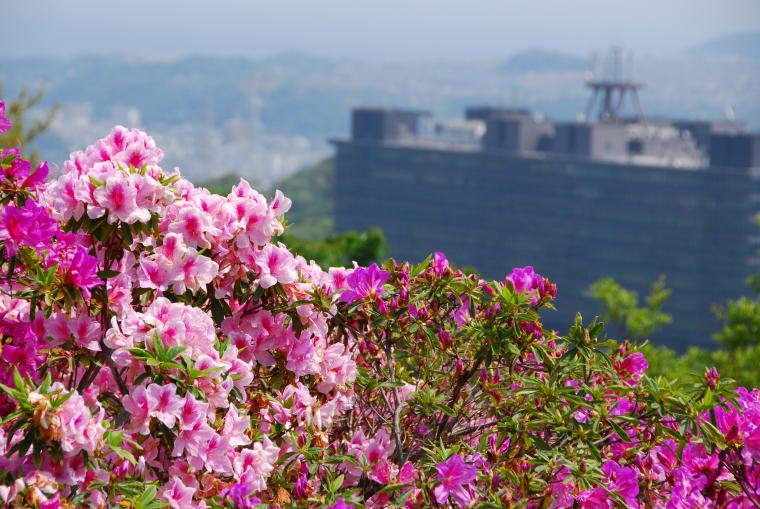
<point>375,30</point>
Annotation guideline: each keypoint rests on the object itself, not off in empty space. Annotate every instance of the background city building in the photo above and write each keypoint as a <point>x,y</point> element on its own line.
<point>621,196</point>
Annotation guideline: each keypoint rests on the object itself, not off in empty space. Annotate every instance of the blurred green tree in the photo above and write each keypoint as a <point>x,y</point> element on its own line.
<point>341,250</point>
<point>21,134</point>
<point>741,321</point>
<point>621,308</point>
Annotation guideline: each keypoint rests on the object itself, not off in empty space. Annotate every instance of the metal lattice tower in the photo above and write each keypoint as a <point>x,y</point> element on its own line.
<point>608,94</point>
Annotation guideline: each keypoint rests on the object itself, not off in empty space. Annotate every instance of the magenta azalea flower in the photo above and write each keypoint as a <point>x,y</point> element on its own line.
<point>365,282</point>
<point>5,123</point>
<point>622,480</point>
<point>524,279</point>
<point>439,263</point>
<point>76,266</point>
<point>19,170</point>
<point>239,495</point>
<point>29,225</point>
<point>632,367</point>
<point>456,477</point>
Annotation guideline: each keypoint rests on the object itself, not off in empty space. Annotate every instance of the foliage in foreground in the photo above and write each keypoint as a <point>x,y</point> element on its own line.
<point>161,349</point>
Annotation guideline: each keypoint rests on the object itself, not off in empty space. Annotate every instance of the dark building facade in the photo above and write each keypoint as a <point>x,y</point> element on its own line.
<point>578,201</point>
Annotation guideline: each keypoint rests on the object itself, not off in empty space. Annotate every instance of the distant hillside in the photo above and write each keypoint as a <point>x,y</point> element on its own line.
<point>202,90</point>
<point>312,215</point>
<point>538,60</point>
<point>743,45</point>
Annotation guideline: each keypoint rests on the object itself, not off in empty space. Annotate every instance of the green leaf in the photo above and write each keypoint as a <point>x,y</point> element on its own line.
<point>620,431</point>
<point>392,487</point>
<point>107,274</point>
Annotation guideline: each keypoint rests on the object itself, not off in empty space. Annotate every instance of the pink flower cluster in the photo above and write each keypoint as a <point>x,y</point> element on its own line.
<point>193,247</point>
<point>117,176</point>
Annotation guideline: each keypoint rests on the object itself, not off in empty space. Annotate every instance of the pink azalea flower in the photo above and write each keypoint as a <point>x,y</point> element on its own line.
<point>381,472</point>
<point>80,431</point>
<point>118,197</point>
<point>192,438</point>
<point>301,356</point>
<point>338,278</point>
<point>240,495</point>
<point>280,204</point>
<point>596,498</point>
<point>75,265</point>
<point>177,495</point>
<point>156,272</point>
<point>301,486</point>
<point>135,148</point>
<point>19,171</point>
<point>216,455</point>
<point>456,477</point>
<point>406,474</point>
<point>523,279</point>
<point>38,177</point>
<point>62,196</point>
<point>276,265</point>
<point>86,332</point>
<point>252,216</point>
<point>164,403</point>
<point>57,328</point>
<point>254,466</point>
<point>192,411</point>
<point>336,367</point>
<point>235,427</point>
<point>137,404</point>
<point>195,272</point>
<point>240,370</point>
<point>195,226</point>
<point>380,447</point>
<point>750,433</point>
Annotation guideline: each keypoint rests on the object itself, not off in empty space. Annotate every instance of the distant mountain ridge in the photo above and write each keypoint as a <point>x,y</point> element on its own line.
<point>742,45</point>
<point>539,60</point>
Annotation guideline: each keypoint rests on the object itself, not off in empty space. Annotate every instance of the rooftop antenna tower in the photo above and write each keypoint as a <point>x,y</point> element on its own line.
<point>608,94</point>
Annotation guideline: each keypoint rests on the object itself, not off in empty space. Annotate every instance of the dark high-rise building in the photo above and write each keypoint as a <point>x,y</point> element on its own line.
<point>621,197</point>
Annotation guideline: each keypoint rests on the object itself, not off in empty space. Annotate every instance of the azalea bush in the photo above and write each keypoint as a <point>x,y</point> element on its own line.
<point>161,348</point>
